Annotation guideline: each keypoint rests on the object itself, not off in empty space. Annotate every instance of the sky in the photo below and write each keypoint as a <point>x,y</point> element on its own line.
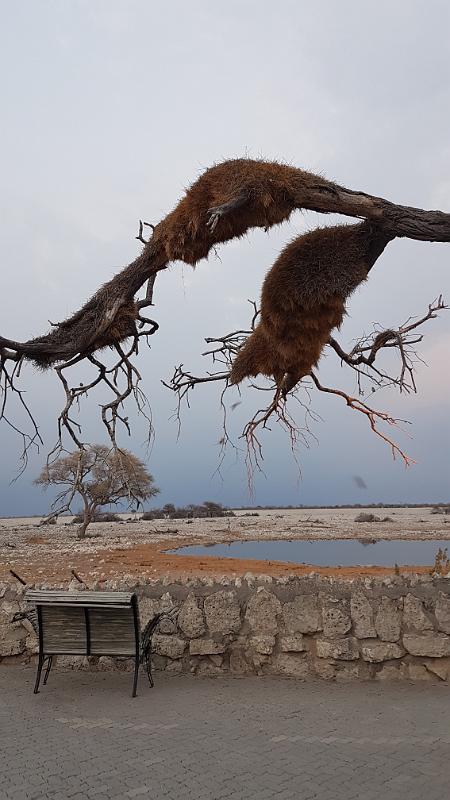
<point>110,109</point>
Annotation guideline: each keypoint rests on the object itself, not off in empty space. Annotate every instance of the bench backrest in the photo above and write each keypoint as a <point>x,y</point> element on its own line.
<point>87,623</point>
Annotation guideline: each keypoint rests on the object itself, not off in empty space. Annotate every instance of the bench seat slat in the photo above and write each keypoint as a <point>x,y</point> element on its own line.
<point>112,631</point>
<point>55,597</point>
<point>64,630</point>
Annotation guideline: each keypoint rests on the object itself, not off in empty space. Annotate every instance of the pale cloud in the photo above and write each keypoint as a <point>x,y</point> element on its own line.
<point>110,109</point>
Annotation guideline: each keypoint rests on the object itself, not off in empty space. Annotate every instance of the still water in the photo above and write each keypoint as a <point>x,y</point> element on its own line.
<point>336,552</point>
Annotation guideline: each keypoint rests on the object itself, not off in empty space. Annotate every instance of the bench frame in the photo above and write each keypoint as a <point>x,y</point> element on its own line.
<point>143,639</point>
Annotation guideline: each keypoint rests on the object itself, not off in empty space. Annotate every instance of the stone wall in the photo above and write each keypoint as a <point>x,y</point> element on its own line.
<point>335,629</point>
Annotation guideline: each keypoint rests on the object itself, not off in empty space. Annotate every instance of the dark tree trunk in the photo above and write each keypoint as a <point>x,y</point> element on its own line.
<point>87,519</point>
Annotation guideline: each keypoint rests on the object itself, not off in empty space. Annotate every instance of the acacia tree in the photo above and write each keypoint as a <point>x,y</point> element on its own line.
<point>100,476</point>
<point>225,202</point>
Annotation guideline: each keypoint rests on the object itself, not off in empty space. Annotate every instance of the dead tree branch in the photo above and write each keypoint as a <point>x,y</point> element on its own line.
<point>372,415</point>
<point>226,201</point>
<point>402,340</point>
<point>362,359</point>
<point>93,326</point>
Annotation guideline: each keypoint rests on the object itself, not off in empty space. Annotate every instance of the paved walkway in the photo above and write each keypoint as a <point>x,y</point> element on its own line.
<point>84,737</point>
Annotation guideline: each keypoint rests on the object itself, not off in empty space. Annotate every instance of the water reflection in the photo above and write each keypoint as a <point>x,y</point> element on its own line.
<point>335,552</point>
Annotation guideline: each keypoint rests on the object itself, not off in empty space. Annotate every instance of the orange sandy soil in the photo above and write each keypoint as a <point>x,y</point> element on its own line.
<point>150,560</point>
<point>47,554</point>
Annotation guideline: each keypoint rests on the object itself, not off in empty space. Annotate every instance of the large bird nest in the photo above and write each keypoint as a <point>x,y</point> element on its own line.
<point>225,202</point>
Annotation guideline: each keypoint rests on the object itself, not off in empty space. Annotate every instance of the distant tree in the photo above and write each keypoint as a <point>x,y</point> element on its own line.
<point>100,476</point>
<point>213,509</point>
<point>168,509</point>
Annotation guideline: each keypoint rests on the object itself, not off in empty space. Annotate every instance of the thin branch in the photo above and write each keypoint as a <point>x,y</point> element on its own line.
<point>361,360</point>
<point>368,348</point>
<point>8,387</point>
<point>372,415</point>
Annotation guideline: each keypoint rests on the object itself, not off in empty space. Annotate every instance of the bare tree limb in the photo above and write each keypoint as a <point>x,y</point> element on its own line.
<point>372,415</point>
<point>366,350</point>
<point>362,359</point>
<point>224,203</point>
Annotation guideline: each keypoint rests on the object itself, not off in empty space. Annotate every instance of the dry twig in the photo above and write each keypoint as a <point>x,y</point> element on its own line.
<point>362,359</point>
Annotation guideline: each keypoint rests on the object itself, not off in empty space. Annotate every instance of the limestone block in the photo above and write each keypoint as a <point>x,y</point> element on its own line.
<point>347,673</point>
<point>78,663</point>
<point>286,664</point>
<point>222,612</point>
<point>238,663</point>
<point>440,667</point>
<point>158,662</point>
<point>148,607</point>
<point>302,615</point>
<point>294,643</point>
<point>167,626</point>
<point>171,646</point>
<point>263,608</point>
<point>375,652</point>
<point>125,664</point>
<point>7,610</point>
<point>205,647</point>
<point>190,618</point>
<point>336,618</point>
<point>325,669</point>
<point>206,669</point>
<point>418,672</point>
<point>362,616</point>
<point>414,616</point>
<point>388,620</point>
<point>263,644</point>
<point>442,612</point>
<point>430,644</point>
<point>258,660</point>
<point>106,664</point>
<point>32,644</point>
<point>174,667</point>
<point>12,640</point>
<point>388,672</point>
<point>345,649</point>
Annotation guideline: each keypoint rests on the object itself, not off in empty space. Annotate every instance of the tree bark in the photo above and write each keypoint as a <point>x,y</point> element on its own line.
<point>401,221</point>
<point>88,514</point>
<point>85,331</point>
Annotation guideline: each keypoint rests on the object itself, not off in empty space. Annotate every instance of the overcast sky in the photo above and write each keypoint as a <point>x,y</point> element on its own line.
<point>109,109</point>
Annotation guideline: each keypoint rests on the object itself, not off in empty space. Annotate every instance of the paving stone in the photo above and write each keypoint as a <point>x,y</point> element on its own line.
<point>271,738</point>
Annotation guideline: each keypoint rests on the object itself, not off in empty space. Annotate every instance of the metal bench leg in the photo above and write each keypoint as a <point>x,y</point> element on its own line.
<point>136,675</point>
<point>49,666</point>
<point>148,664</point>
<point>38,676</point>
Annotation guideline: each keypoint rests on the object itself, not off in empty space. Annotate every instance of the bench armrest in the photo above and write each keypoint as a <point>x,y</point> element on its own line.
<point>148,631</point>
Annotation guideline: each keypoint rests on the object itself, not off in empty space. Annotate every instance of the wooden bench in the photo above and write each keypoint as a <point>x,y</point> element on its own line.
<point>90,624</point>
